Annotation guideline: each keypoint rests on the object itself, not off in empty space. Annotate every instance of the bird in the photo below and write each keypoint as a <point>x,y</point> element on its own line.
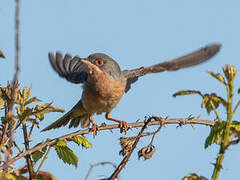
<point>104,83</point>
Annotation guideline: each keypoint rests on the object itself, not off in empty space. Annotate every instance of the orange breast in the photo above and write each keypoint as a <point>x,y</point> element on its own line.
<point>101,93</point>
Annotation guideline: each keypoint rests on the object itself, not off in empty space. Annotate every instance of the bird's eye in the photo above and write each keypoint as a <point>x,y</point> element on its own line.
<point>99,62</point>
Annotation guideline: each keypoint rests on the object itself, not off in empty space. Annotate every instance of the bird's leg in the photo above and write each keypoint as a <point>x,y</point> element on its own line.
<point>95,127</point>
<point>122,124</point>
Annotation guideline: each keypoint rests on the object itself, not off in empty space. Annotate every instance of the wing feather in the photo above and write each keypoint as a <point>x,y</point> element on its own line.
<point>192,59</point>
<point>73,69</point>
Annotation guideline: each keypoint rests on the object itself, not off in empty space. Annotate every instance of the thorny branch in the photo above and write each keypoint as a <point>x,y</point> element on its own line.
<point>126,158</point>
<point>99,164</point>
<point>179,121</point>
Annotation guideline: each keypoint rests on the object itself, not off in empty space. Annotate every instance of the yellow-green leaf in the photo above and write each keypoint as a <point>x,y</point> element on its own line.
<point>40,116</point>
<point>216,134</point>
<point>8,176</point>
<point>24,94</point>
<point>82,141</point>
<point>211,101</point>
<point>217,76</point>
<point>61,143</point>
<point>2,103</point>
<point>38,154</point>
<point>186,92</point>
<point>32,100</point>
<point>67,155</point>
<point>230,72</point>
<point>46,108</point>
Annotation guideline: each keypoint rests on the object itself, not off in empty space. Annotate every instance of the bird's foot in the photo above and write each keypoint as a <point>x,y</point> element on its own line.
<point>95,128</point>
<point>123,126</point>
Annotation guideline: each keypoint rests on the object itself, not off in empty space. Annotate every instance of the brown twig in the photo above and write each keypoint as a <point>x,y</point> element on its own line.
<point>110,127</point>
<point>126,158</point>
<point>14,91</point>
<point>98,164</point>
<point>28,157</point>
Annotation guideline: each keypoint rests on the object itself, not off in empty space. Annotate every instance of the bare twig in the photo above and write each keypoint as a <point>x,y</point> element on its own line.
<point>126,158</point>
<point>14,91</point>
<point>45,157</point>
<point>28,157</point>
<point>110,127</point>
<point>99,164</point>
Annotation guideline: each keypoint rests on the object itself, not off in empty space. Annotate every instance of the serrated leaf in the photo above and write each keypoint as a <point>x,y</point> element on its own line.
<point>186,92</point>
<point>32,100</point>
<point>216,134</point>
<point>67,155</point>
<point>217,76</point>
<point>61,143</point>
<point>82,141</point>
<point>212,100</point>
<point>38,154</point>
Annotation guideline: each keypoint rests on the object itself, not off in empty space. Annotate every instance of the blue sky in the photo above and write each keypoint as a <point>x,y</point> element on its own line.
<point>135,33</point>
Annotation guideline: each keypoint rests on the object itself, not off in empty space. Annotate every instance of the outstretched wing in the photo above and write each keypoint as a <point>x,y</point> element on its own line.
<point>194,58</point>
<point>73,69</point>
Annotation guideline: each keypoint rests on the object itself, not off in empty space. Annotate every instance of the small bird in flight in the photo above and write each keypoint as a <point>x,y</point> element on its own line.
<point>104,83</point>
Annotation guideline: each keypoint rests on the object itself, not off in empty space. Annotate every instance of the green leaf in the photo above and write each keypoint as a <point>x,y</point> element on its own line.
<point>61,143</point>
<point>186,92</point>
<point>81,141</point>
<point>32,100</point>
<point>8,176</point>
<point>24,94</point>
<point>216,134</point>
<point>40,116</point>
<point>36,155</point>
<point>230,72</point>
<point>27,112</point>
<point>209,99</point>
<point>217,76</point>
<point>46,108</point>
<point>67,155</point>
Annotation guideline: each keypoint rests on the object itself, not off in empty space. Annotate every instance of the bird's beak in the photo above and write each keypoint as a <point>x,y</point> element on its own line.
<point>92,67</point>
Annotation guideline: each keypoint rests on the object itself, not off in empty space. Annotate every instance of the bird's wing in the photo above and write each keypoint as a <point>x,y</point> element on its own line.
<point>73,69</point>
<point>194,58</point>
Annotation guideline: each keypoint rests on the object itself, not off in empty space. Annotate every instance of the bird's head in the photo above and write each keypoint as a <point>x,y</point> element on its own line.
<point>103,62</point>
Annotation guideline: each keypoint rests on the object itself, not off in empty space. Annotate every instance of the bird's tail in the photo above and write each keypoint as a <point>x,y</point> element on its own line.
<point>77,115</point>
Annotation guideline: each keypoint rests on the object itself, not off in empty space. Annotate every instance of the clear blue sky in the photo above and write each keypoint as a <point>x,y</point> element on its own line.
<point>135,33</point>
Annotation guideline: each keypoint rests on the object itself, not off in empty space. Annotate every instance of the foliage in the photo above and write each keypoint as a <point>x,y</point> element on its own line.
<point>29,113</point>
<point>223,133</point>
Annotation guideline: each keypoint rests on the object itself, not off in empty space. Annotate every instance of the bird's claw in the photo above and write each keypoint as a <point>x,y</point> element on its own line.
<point>123,126</point>
<point>95,128</point>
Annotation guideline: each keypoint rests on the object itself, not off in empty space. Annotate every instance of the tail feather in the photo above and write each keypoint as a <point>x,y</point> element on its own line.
<point>75,116</point>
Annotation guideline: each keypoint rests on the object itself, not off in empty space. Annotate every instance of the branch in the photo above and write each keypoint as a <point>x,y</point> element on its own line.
<point>99,164</point>
<point>13,92</point>
<point>179,121</point>
<point>126,158</point>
